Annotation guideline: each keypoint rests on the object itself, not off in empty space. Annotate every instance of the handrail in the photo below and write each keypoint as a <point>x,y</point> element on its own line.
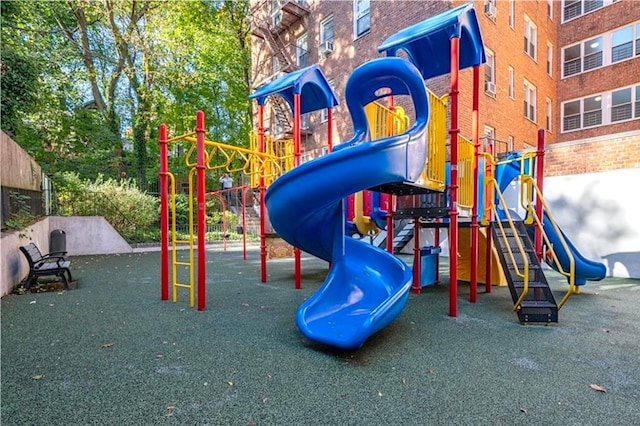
<point>433,175</point>
<point>529,185</point>
<point>489,187</point>
<point>524,274</point>
<point>465,172</point>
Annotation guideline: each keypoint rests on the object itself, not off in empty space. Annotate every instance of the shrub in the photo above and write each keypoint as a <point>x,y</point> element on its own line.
<point>121,203</point>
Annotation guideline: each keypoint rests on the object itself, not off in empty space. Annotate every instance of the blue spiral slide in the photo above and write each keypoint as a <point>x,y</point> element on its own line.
<point>366,288</point>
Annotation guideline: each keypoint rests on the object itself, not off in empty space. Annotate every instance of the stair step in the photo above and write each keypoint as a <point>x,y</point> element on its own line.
<point>536,304</point>
<point>520,284</point>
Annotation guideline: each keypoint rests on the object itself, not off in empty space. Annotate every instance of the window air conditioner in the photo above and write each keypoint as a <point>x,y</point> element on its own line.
<point>490,87</point>
<point>326,47</point>
<point>490,9</point>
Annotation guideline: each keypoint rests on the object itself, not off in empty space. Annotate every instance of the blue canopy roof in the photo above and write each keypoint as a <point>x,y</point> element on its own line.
<point>310,83</point>
<point>427,43</point>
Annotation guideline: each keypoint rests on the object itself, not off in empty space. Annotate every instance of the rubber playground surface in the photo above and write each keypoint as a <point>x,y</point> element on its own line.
<point>112,353</point>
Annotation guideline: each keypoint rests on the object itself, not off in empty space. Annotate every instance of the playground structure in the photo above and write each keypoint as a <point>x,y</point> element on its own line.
<point>271,161</point>
<point>399,171</point>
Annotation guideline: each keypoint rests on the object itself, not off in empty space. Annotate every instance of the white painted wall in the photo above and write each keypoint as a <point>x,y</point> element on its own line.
<point>600,213</point>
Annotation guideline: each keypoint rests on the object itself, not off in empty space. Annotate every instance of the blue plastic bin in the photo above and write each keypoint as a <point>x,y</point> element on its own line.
<point>428,265</point>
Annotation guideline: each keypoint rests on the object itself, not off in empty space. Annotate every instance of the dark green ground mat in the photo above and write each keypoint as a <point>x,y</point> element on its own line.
<point>112,353</point>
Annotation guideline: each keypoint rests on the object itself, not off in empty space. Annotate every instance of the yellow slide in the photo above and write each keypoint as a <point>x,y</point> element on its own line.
<point>464,258</point>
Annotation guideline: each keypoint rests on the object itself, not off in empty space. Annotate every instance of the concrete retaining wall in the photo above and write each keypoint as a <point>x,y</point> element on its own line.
<point>84,236</point>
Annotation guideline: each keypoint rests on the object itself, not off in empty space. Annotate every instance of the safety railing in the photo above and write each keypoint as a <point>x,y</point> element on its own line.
<point>385,122</point>
<point>271,164</point>
<point>465,172</point>
<point>433,175</point>
<point>530,190</point>
<point>524,272</point>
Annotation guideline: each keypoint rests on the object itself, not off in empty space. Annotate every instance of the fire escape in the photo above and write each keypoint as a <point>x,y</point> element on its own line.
<point>270,19</point>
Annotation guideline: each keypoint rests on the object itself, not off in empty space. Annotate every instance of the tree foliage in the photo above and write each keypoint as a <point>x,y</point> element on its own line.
<point>86,83</point>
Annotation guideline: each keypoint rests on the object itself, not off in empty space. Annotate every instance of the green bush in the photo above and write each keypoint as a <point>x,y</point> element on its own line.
<point>120,202</point>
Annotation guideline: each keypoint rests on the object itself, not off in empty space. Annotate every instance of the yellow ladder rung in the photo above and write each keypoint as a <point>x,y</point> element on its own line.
<point>182,285</point>
<point>182,263</point>
<point>182,241</point>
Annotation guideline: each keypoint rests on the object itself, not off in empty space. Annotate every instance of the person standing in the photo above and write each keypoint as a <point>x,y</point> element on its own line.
<point>226,183</point>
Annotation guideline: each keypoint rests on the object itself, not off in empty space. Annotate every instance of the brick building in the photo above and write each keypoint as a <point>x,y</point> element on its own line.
<point>571,67</point>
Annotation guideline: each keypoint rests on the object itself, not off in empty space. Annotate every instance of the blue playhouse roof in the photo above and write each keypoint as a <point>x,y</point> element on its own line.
<point>308,82</point>
<point>427,43</point>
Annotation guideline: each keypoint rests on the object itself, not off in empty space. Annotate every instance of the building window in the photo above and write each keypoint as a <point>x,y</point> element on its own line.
<point>549,59</point>
<point>276,13</point>
<point>582,57</point>
<point>302,52</point>
<point>638,39</point>
<point>305,121</point>
<point>275,65</point>
<point>621,107</point>
<point>490,9</point>
<point>512,82</point>
<point>530,37</point>
<point>489,134</point>
<point>324,115</point>
<point>362,17</point>
<point>530,101</point>
<point>602,109</point>
<point>510,143</point>
<point>512,13</point>
<point>326,30</point>
<point>571,119</point>
<point>582,113</point>
<point>592,111</point>
<point>573,8</point>
<point>490,73</point>
<point>622,44</point>
<point>550,9</point>
<point>548,116</point>
<point>326,36</point>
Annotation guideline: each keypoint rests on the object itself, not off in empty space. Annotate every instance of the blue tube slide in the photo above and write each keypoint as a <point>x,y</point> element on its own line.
<point>366,288</point>
<point>585,269</point>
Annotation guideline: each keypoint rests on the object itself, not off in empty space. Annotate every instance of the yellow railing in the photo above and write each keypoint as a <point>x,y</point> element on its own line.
<point>524,273</point>
<point>433,175</point>
<point>277,159</point>
<point>384,122</point>
<point>280,160</point>
<point>465,172</point>
<point>488,185</point>
<point>530,188</point>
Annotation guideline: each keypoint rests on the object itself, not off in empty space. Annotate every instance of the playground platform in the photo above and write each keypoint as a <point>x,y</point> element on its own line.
<point>112,353</point>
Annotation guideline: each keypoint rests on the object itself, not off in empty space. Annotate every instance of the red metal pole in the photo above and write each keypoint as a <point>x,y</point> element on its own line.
<point>489,201</point>
<point>330,129</point>
<point>200,178</point>
<point>263,210</point>
<point>453,178</point>
<point>436,243</point>
<point>539,182</point>
<point>416,256</point>
<point>390,210</point>
<point>473,282</point>
<point>296,163</point>
<point>164,215</point>
<point>245,191</point>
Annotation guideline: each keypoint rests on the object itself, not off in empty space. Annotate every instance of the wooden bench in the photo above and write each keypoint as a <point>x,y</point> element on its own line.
<point>52,264</point>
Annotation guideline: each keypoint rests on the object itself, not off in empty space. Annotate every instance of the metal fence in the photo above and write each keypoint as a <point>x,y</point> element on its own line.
<point>21,206</point>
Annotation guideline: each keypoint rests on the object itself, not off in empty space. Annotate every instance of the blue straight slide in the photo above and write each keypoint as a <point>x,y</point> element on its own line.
<point>366,287</point>
<point>585,269</point>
